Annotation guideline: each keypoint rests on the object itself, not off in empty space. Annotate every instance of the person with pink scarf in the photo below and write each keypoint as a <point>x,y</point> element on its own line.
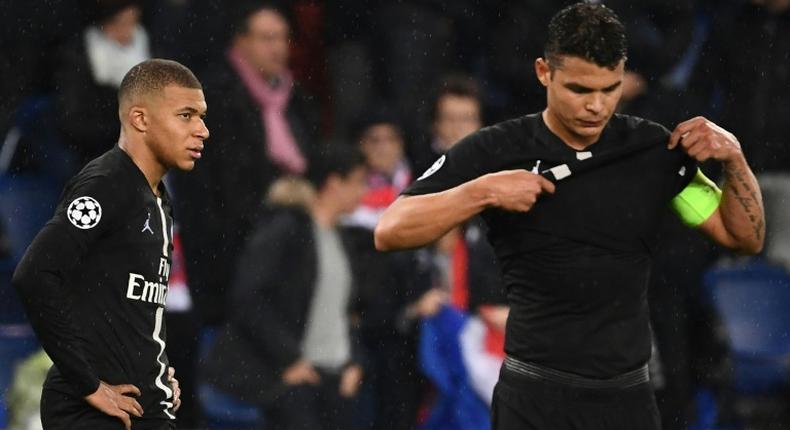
<point>263,127</point>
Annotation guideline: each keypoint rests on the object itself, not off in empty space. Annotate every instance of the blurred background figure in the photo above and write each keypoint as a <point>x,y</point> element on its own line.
<point>290,324</point>
<point>89,73</point>
<point>465,264</point>
<point>263,127</point>
<point>24,395</point>
<point>394,289</point>
<point>517,27</point>
<point>659,34</point>
<point>380,139</point>
<point>456,112</point>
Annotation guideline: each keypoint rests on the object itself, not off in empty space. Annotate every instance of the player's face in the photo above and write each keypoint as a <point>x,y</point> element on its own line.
<point>176,130</point>
<point>456,117</point>
<point>581,97</point>
<point>266,43</point>
<point>383,147</point>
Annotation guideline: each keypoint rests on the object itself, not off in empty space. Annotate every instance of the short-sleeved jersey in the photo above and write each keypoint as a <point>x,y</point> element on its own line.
<point>110,242</point>
<point>576,266</point>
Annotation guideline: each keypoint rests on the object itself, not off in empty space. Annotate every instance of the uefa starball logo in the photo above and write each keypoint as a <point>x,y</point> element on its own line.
<point>84,212</point>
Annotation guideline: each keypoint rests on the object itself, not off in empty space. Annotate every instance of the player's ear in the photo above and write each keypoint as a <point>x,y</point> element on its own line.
<point>543,71</point>
<point>137,116</point>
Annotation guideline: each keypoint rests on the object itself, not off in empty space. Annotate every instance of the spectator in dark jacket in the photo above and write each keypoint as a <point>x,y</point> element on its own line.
<point>263,127</point>
<point>394,288</point>
<point>289,343</point>
<point>89,73</point>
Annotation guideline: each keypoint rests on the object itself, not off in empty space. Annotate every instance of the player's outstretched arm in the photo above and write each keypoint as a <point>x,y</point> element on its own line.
<point>739,221</point>
<point>414,221</point>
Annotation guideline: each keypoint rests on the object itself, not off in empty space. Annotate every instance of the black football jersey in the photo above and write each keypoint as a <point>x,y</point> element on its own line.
<point>576,265</point>
<point>94,283</point>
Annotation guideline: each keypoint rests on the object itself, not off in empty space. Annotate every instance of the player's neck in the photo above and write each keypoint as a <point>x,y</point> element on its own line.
<point>145,161</point>
<point>571,139</point>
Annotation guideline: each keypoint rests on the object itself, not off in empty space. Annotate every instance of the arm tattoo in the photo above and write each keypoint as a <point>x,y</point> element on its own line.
<point>747,198</point>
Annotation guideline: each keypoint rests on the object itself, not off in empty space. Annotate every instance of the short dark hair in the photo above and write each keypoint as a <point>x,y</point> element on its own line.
<point>375,114</point>
<point>458,86</point>
<point>589,31</point>
<point>102,11</point>
<point>240,16</point>
<point>333,158</point>
<point>154,75</point>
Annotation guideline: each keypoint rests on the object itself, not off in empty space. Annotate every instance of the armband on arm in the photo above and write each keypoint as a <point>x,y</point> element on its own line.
<point>698,201</point>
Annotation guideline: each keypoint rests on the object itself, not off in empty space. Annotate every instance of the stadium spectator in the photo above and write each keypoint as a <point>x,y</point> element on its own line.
<point>394,293</point>
<point>263,126</point>
<point>89,73</point>
<point>457,112</point>
<point>520,28</point>
<point>380,139</point>
<point>662,43</point>
<point>289,323</point>
<point>465,266</point>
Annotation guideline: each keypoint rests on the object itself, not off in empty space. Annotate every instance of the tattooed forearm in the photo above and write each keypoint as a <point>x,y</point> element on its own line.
<point>743,189</point>
<point>759,229</point>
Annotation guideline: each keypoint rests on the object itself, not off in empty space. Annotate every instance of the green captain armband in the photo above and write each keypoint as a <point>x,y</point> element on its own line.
<point>698,201</point>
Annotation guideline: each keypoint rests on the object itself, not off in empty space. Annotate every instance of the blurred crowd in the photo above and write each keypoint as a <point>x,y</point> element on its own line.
<point>281,313</point>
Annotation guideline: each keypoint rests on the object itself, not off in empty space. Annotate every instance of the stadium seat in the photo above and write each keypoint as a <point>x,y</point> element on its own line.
<point>221,410</point>
<point>753,297</point>
<point>27,200</point>
<point>26,203</point>
<point>33,166</point>
<point>225,412</point>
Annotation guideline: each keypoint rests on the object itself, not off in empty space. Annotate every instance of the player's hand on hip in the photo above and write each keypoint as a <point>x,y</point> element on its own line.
<point>171,378</point>
<point>301,372</point>
<point>702,139</point>
<point>114,401</point>
<point>516,190</point>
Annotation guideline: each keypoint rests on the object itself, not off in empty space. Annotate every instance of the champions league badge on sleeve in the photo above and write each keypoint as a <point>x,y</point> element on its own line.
<point>84,212</point>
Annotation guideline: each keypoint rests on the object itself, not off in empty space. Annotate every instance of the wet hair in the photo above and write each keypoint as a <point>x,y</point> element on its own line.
<point>458,86</point>
<point>333,158</point>
<point>591,32</point>
<point>153,76</point>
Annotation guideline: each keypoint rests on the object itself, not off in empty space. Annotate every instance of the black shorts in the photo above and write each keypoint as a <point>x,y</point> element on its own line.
<point>522,403</point>
<point>60,411</point>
